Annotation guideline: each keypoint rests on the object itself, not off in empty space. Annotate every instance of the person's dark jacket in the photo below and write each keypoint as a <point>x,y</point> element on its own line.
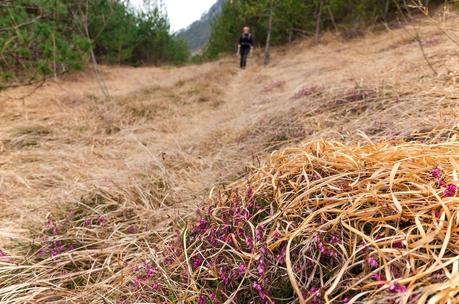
<point>246,41</point>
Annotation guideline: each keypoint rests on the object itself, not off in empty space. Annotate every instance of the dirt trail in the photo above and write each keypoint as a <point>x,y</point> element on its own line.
<point>58,143</point>
<point>177,132</point>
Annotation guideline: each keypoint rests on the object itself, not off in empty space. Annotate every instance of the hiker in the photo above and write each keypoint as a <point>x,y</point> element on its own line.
<point>245,46</point>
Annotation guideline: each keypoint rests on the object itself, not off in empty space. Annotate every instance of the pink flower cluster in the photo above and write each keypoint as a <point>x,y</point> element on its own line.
<point>397,288</point>
<point>306,91</point>
<point>52,245</point>
<point>325,245</point>
<point>217,231</point>
<point>231,243</point>
<point>450,189</point>
<point>373,263</point>
<point>144,275</point>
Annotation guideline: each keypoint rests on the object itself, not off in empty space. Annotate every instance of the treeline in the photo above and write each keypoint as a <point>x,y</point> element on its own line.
<point>298,18</point>
<point>42,37</point>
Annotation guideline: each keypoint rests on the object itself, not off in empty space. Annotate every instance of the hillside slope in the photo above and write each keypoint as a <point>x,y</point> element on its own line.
<point>167,136</point>
<point>198,33</point>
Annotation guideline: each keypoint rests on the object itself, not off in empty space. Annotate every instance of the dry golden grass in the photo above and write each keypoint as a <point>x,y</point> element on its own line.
<point>150,154</point>
<point>368,223</point>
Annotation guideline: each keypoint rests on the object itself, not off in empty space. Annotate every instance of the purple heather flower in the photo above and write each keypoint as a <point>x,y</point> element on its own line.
<point>211,239</point>
<point>395,272</point>
<point>333,253</point>
<point>201,225</point>
<point>397,244</point>
<point>378,277</point>
<point>259,289</point>
<point>213,297</point>
<point>155,286</point>
<point>223,276</point>
<point>322,248</point>
<point>202,299</point>
<point>442,182</point>
<point>397,288</point>
<point>52,225</point>
<point>402,289</point>
<point>131,229</point>
<point>2,254</point>
<point>439,275</point>
<point>257,286</point>
<point>249,242</point>
<point>437,214</point>
<point>242,269</point>
<point>277,235</point>
<point>346,300</point>
<point>372,262</point>
<point>261,269</point>
<point>197,261</point>
<point>281,257</point>
<point>101,220</point>
<point>87,222</point>
<point>151,271</point>
<point>436,172</point>
<point>137,283</point>
<point>259,233</point>
<point>304,293</point>
<point>335,239</point>
<point>392,287</point>
<point>450,190</point>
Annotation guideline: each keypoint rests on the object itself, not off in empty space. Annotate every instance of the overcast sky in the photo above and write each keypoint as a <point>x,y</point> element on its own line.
<point>183,12</point>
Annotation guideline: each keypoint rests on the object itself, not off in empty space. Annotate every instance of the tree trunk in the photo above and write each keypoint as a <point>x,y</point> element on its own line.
<point>54,55</point>
<point>268,37</point>
<point>386,9</point>
<point>318,21</point>
<point>332,18</point>
<point>99,78</point>
<point>54,42</point>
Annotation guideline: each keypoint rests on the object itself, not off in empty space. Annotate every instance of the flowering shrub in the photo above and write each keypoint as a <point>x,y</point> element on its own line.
<point>270,246</point>
<point>307,91</point>
<point>319,223</point>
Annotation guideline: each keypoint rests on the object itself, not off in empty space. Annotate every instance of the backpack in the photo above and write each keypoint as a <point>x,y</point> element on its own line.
<point>245,38</point>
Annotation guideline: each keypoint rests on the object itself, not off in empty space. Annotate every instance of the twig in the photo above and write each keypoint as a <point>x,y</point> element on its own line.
<point>418,39</point>
<point>20,25</point>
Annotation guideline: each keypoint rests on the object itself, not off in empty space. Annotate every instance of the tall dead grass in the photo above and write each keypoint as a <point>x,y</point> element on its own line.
<point>329,221</point>
<point>322,222</point>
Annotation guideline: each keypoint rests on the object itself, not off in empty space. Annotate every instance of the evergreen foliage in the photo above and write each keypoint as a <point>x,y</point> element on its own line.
<point>42,37</point>
<point>297,18</point>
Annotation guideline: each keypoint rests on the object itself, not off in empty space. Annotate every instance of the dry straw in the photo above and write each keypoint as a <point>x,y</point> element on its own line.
<point>324,222</point>
<point>320,223</point>
<point>392,207</point>
<point>330,223</point>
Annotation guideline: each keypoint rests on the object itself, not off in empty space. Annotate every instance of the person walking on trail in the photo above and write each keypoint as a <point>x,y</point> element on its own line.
<point>245,46</point>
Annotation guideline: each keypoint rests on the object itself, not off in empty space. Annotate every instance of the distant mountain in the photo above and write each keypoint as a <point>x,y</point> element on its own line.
<point>198,33</point>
